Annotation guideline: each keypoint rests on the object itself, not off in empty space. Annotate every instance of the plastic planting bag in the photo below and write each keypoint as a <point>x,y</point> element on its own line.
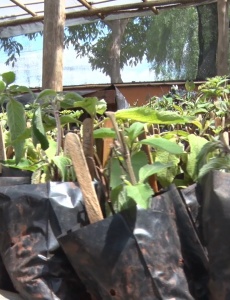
<point>135,254</point>
<point>215,199</point>
<point>194,255</point>
<point>33,258</point>
<point>16,178</point>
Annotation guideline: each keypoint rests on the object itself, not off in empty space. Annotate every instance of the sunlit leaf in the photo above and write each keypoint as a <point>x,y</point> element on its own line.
<point>164,144</point>
<point>148,115</point>
<point>8,77</point>
<point>17,125</point>
<point>104,133</point>
<point>140,193</point>
<point>146,171</point>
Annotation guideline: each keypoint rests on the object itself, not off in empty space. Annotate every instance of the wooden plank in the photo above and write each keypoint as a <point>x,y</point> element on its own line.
<point>54,20</point>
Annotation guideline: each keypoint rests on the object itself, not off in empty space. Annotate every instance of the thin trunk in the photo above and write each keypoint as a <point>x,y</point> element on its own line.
<point>118,30</point>
<point>223,38</point>
<point>54,20</point>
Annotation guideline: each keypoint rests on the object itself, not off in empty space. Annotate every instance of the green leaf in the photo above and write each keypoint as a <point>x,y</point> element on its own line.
<point>190,86</point>
<point>196,143</point>
<point>101,107</point>
<point>51,151</point>
<point>208,150</point>
<point>39,134</point>
<point>138,160</point>
<point>119,199</point>
<point>217,163</point>
<point>8,77</point>
<point>148,115</point>
<point>134,131</point>
<point>164,144</point>
<point>140,193</point>
<point>102,133</point>
<point>171,134</point>
<point>46,95</point>
<point>23,164</point>
<point>70,99</point>
<point>2,86</point>
<point>166,176</point>
<point>146,171</point>
<point>68,119</point>
<point>17,125</point>
<point>62,163</point>
<point>88,104</point>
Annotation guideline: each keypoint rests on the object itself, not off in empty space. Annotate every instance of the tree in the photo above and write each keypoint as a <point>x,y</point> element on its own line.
<point>110,45</point>
<point>223,37</point>
<point>207,38</point>
<point>172,47</point>
<point>12,48</point>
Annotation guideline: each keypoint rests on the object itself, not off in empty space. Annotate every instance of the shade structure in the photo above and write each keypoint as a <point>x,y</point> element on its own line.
<point>19,17</point>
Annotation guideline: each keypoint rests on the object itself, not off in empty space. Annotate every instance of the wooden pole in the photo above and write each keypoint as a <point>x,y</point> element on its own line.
<point>223,38</point>
<point>54,20</point>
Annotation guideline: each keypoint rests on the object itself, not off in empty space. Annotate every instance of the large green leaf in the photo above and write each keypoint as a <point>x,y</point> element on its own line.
<point>167,175</point>
<point>39,134</point>
<point>164,144</point>
<point>17,125</point>
<point>8,77</point>
<point>196,144</point>
<point>146,171</point>
<point>140,193</point>
<point>148,115</point>
<point>102,133</point>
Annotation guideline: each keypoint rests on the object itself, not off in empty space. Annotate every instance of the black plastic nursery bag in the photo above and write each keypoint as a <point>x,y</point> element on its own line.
<point>195,260</point>
<point>215,199</point>
<point>134,255</point>
<point>34,260</point>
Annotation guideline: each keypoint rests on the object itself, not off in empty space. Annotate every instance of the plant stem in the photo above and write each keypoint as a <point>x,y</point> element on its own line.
<point>123,147</point>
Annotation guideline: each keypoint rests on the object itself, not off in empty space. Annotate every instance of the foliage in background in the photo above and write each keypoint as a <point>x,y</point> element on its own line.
<point>173,139</point>
<point>176,43</point>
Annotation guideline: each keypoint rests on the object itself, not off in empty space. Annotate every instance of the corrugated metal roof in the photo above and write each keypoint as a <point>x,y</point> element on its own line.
<point>25,16</point>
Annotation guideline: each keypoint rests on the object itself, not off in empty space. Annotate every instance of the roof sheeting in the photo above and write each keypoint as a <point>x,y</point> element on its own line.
<point>26,16</point>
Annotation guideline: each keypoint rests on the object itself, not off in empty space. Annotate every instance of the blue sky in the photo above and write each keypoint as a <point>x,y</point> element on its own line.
<point>77,71</point>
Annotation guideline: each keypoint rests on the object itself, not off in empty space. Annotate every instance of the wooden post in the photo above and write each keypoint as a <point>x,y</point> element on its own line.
<point>54,20</point>
<point>223,38</point>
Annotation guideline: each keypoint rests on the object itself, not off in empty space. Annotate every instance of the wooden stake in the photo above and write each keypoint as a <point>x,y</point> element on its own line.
<point>74,149</point>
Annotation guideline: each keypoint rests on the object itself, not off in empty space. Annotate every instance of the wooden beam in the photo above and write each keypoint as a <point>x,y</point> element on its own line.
<point>53,37</point>
<point>153,8</point>
<point>22,6</point>
<point>144,6</point>
<point>223,38</point>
